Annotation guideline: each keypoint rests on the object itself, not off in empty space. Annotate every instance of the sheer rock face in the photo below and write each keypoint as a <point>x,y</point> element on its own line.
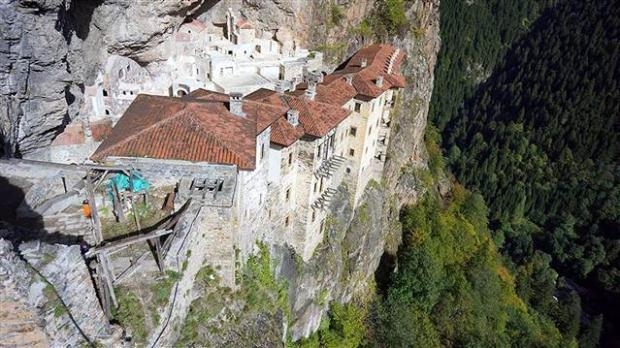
<point>48,298</point>
<point>50,48</point>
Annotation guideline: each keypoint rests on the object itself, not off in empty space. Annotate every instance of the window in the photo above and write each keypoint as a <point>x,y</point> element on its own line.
<point>369,130</point>
<point>372,106</point>
<point>348,170</point>
<point>353,131</point>
<point>107,112</point>
<point>366,149</point>
<point>358,107</point>
<point>105,92</point>
<point>322,225</point>
<point>315,186</point>
<point>313,215</point>
<point>377,124</point>
<point>262,151</point>
<point>351,152</point>
<point>288,194</point>
<point>290,159</point>
<point>318,152</point>
<point>286,219</point>
<point>260,199</point>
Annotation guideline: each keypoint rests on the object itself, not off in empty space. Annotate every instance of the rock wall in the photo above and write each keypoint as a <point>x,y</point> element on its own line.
<point>50,48</point>
<point>49,295</point>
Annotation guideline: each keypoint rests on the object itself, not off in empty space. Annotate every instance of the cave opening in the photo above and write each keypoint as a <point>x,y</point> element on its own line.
<point>384,272</point>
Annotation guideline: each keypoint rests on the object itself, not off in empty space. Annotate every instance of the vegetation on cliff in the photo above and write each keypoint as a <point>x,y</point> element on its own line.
<point>452,288</point>
<point>538,140</point>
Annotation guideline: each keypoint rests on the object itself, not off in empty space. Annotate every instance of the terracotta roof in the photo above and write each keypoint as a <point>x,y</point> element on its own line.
<point>244,24</point>
<point>200,26</point>
<point>182,129</point>
<point>285,134</point>
<point>264,114</point>
<point>380,58</point>
<point>316,118</point>
<point>206,95</point>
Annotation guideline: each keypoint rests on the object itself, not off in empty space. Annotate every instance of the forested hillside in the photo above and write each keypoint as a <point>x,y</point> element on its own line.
<point>539,140</point>
<point>452,288</point>
<point>475,35</point>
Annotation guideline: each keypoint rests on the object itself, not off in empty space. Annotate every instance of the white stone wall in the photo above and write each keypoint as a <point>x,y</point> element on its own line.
<point>252,197</point>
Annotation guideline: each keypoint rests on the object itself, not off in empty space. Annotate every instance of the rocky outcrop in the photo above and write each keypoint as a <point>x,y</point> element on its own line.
<point>49,297</point>
<point>49,49</point>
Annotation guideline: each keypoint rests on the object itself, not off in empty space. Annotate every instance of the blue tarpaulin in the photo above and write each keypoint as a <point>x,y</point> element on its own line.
<point>121,181</point>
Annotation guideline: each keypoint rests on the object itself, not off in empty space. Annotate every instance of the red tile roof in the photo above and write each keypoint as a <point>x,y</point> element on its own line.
<point>381,60</point>
<point>243,24</point>
<point>316,118</point>
<point>182,129</point>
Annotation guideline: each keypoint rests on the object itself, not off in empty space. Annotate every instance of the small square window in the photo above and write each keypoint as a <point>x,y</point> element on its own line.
<point>351,152</point>
<point>358,107</point>
<point>348,170</point>
<point>353,131</point>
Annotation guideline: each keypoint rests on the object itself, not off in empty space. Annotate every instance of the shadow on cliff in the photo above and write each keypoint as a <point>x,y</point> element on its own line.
<point>20,223</point>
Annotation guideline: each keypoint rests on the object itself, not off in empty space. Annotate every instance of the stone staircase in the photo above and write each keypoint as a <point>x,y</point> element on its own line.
<point>325,200</point>
<point>391,61</point>
<point>329,166</point>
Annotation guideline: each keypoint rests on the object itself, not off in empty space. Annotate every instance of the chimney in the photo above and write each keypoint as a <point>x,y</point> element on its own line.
<point>236,104</point>
<point>379,81</point>
<point>349,79</point>
<point>292,116</point>
<point>364,62</point>
<point>311,90</point>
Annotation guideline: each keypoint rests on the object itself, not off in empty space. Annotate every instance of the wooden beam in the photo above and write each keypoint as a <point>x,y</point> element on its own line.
<point>113,246</point>
<point>107,275</point>
<point>160,258</point>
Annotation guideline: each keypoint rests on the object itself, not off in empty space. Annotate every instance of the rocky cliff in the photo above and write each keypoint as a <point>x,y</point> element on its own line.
<point>51,48</point>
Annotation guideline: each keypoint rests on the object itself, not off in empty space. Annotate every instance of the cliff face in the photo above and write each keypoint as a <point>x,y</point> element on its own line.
<point>50,49</point>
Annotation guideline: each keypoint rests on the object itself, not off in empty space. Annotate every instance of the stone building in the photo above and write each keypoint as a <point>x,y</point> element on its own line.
<point>289,152</point>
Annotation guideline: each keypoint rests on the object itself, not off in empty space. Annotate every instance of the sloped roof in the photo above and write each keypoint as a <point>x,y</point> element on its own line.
<point>244,24</point>
<point>381,60</point>
<point>182,129</point>
<point>316,118</point>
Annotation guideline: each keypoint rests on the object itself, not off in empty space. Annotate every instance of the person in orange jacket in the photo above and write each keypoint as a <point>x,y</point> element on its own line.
<point>86,208</point>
